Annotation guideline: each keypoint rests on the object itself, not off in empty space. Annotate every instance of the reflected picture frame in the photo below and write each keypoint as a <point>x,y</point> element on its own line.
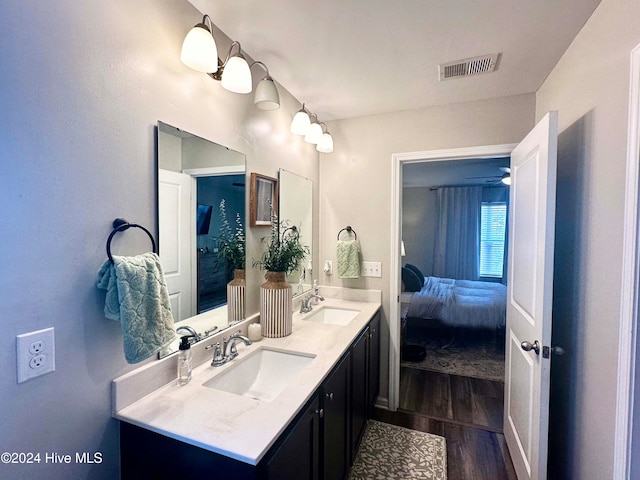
<point>263,196</point>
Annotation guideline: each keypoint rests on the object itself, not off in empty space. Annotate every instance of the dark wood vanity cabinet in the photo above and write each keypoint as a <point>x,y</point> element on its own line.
<point>319,444</point>
<point>335,426</point>
<point>365,361</point>
<point>297,454</point>
<point>373,362</point>
<point>359,406</point>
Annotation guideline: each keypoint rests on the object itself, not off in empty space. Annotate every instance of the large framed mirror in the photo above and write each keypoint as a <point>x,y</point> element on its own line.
<point>201,200</point>
<point>296,209</point>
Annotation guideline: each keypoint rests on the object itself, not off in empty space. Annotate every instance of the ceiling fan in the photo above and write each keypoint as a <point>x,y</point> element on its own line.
<point>504,177</point>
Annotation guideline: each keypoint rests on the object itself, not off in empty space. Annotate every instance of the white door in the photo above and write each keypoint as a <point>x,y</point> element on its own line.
<point>529,298</point>
<point>177,227</point>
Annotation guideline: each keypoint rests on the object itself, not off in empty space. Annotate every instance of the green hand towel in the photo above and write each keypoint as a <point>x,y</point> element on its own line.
<point>138,298</point>
<point>348,253</point>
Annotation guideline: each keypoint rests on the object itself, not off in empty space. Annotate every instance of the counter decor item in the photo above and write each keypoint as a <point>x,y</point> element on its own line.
<point>231,247</point>
<point>254,332</point>
<point>282,256</point>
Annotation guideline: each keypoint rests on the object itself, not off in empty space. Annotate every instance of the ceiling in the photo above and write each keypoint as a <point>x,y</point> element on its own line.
<point>350,58</point>
<point>477,171</point>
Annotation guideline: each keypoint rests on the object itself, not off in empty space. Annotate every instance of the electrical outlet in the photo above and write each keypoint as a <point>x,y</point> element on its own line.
<point>35,353</point>
<point>36,347</point>
<point>372,269</point>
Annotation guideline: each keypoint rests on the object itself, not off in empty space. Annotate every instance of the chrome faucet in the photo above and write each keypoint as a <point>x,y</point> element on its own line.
<point>305,303</point>
<point>191,331</point>
<point>228,351</point>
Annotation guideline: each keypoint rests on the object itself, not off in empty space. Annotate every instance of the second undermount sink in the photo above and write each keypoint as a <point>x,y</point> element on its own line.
<point>261,374</point>
<point>331,315</point>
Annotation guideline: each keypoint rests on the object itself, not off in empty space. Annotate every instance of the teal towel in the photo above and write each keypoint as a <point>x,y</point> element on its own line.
<point>138,298</point>
<point>348,253</point>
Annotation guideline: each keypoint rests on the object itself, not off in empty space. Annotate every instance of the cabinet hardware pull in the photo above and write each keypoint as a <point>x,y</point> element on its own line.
<point>320,412</point>
<point>330,396</point>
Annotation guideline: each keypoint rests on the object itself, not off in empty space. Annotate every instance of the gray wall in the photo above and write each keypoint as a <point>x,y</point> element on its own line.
<point>355,187</point>
<point>590,89</point>
<point>419,221</point>
<point>82,88</point>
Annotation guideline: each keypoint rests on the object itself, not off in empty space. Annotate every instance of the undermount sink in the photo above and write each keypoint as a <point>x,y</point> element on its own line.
<point>261,374</point>
<point>331,315</point>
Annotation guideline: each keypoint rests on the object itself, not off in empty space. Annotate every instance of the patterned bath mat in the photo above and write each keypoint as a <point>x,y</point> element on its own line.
<point>470,359</point>
<point>392,452</point>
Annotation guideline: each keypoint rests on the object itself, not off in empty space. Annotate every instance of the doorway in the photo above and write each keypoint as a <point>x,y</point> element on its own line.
<point>453,300</point>
<point>398,162</point>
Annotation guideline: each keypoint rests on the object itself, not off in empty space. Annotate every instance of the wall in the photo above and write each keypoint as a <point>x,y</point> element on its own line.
<point>355,187</point>
<point>419,221</point>
<point>82,88</point>
<point>590,89</point>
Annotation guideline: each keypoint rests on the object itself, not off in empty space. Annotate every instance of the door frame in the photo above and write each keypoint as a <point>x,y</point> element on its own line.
<point>626,422</point>
<point>397,161</point>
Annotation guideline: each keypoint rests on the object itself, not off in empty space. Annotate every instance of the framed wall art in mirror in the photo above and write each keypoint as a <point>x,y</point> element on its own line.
<point>201,208</point>
<point>263,198</point>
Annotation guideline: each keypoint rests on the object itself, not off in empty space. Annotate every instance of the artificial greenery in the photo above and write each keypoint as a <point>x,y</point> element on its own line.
<point>231,245</point>
<point>284,251</point>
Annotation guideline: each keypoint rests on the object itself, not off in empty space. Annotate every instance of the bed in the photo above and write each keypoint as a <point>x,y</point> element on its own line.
<point>459,303</point>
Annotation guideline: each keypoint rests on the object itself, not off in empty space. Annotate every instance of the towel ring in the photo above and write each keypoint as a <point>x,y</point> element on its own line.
<point>348,229</point>
<point>293,229</point>
<point>120,225</point>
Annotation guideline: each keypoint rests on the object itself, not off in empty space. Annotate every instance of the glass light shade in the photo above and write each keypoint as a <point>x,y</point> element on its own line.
<point>506,179</point>
<point>199,50</point>
<point>325,145</point>
<point>267,97</point>
<point>403,252</point>
<point>300,123</point>
<point>314,134</point>
<point>236,76</point>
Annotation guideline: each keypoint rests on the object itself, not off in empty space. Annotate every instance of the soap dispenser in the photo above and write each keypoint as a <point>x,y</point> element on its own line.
<point>184,360</point>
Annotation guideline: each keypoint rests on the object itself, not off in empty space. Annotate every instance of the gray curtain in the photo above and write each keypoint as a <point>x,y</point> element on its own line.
<point>457,243</point>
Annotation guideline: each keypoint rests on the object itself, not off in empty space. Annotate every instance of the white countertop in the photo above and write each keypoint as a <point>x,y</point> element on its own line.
<point>241,427</point>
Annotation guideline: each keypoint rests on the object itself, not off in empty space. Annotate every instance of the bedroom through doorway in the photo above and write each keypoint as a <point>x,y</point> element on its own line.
<point>453,292</point>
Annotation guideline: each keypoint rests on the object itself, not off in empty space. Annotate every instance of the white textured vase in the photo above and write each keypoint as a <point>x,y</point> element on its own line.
<point>276,306</point>
<point>235,297</point>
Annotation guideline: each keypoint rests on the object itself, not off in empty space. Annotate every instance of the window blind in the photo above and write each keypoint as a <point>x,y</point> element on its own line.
<point>493,222</point>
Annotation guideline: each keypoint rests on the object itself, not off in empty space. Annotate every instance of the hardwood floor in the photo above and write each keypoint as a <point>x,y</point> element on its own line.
<point>467,412</point>
<point>464,400</point>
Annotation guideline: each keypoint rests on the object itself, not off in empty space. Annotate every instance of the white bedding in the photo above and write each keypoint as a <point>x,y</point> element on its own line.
<point>461,303</point>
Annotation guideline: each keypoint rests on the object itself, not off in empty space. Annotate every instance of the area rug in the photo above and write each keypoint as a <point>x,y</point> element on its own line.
<point>470,359</point>
<point>391,452</point>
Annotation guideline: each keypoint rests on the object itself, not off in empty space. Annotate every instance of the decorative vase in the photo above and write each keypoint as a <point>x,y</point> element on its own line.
<point>235,297</point>
<point>276,306</point>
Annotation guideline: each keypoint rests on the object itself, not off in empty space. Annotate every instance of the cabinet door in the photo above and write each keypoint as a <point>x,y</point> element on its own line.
<point>359,405</point>
<point>335,444</point>
<point>374,361</point>
<point>297,457</point>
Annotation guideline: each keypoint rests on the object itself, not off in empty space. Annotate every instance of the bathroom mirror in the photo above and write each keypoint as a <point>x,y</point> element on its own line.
<point>296,209</point>
<point>200,183</point>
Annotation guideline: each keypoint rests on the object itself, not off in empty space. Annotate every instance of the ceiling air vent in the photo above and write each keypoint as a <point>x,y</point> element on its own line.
<point>468,66</point>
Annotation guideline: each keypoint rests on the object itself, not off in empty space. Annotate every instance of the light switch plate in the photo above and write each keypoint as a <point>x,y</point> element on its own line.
<point>372,269</point>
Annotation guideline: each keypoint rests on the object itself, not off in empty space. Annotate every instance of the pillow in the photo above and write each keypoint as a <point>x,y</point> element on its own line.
<point>412,283</point>
<point>416,270</point>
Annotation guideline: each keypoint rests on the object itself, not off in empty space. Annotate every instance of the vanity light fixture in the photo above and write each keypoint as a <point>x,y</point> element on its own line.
<point>325,145</point>
<point>314,133</point>
<point>267,97</point>
<point>301,122</point>
<point>236,75</point>
<point>199,49</point>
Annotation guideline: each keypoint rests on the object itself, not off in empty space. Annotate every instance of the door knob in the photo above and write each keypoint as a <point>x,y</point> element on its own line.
<point>528,346</point>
